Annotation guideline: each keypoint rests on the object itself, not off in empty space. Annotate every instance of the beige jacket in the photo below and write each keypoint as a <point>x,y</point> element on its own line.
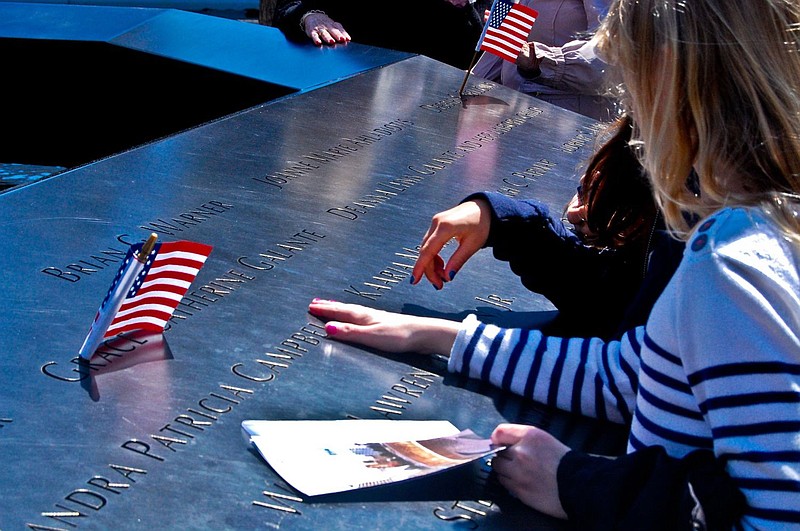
<point>572,76</point>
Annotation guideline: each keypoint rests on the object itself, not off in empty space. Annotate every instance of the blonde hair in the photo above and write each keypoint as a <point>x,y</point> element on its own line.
<point>727,73</point>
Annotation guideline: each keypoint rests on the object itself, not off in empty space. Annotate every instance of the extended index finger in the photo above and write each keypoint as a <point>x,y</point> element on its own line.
<point>429,262</point>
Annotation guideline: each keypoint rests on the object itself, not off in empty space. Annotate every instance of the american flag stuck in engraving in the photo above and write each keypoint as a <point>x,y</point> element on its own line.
<point>150,283</point>
<point>507,29</point>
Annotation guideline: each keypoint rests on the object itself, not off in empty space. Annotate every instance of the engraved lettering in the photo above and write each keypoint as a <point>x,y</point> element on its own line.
<point>279,505</point>
<point>366,295</point>
<point>287,354</point>
<point>575,143</point>
<point>415,383</point>
<point>427,376</point>
<point>440,513</point>
<point>497,300</point>
<point>122,239</point>
<point>168,427</point>
<point>386,412</point>
<point>391,404</point>
<point>538,169</point>
<point>197,300</point>
<point>206,415</point>
<point>392,274</point>
<point>406,267</point>
<point>225,398</point>
<point>192,422</point>
<point>405,390</point>
<point>236,391</point>
<point>105,484</point>
<point>58,515</point>
<point>127,471</point>
<point>162,227</point>
<point>203,295</point>
<point>191,303</point>
<point>385,403</point>
<point>274,366</point>
<point>389,276</point>
<point>238,372</point>
<point>258,266</point>
<point>80,269</point>
<point>168,441</point>
<point>187,219</point>
<point>239,274</point>
<point>141,448</point>
<point>315,329</point>
<point>215,289</point>
<point>179,314</point>
<point>217,206</point>
<point>395,399</point>
<point>346,212</point>
<point>86,498</point>
<point>203,405</point>
<point>512,190</point>
<point>289,343</point>
<point>473,510</point>
<point>299,169</point>
<point>58,273</point>
<point>376,286</point>
<point>305,339</point>
<point>272,180</point>
<point>47,370</point>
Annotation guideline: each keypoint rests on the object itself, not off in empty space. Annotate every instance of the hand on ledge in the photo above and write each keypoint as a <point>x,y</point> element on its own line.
<point>320,28</point>
<point>387,331</point>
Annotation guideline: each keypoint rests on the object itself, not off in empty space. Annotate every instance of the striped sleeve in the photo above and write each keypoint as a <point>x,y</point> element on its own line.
<point>590,377</point>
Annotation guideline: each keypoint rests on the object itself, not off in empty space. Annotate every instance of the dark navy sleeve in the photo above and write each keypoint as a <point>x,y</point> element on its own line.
<point>648,489</point>
<point>591,287</point>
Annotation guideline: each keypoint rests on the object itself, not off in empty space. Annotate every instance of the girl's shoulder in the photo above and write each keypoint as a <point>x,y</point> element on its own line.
<point>744,235</point>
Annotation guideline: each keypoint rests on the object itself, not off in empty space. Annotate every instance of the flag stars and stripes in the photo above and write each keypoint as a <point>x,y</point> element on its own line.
<point>154,293</point>
<point>161,285</point>
<point>507,29</point>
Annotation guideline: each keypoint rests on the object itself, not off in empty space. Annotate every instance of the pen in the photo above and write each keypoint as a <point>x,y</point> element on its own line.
<point>115,299</point>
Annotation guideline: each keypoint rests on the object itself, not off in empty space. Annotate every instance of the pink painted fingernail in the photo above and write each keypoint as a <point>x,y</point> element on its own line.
<point>331,329</point>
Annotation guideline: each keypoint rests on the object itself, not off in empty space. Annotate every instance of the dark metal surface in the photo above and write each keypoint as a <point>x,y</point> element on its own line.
<point>325,193</point>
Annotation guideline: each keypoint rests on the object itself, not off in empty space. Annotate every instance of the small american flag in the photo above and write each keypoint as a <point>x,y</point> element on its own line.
<point>164,278</point>
<point>160,286</point>
<point>507,29</point>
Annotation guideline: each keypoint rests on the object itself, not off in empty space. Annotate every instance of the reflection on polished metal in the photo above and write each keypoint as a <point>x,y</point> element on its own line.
<point>323,193</point>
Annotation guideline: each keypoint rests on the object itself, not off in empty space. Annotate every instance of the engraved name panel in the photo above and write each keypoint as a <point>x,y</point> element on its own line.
<point>326,193</point>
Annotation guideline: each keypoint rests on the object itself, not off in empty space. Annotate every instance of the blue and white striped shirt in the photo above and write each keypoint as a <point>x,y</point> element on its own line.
<point>717,365</point>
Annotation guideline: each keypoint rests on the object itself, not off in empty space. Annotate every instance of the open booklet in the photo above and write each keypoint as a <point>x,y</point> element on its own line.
<point>326,456</point>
